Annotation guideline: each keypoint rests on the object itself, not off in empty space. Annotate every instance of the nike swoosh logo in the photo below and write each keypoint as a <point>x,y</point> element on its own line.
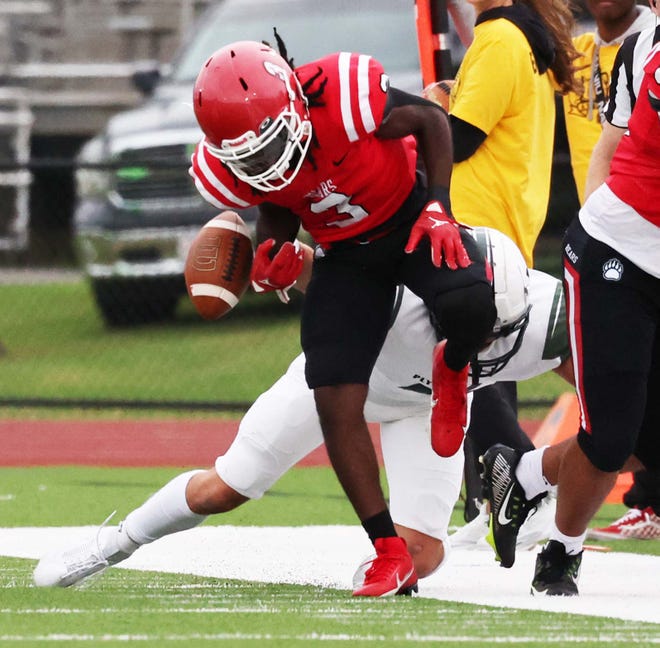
<point>399,583</point>
<point>340,160</point>
<point>501,516</point>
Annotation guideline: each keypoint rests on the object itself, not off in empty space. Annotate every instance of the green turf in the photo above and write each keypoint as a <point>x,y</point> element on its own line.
<point>153,609</point>
<point>75,496</point>
<point>66,496</point>
<point>54,346</point>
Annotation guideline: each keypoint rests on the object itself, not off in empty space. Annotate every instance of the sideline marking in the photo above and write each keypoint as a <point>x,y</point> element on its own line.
<point>327,556</point>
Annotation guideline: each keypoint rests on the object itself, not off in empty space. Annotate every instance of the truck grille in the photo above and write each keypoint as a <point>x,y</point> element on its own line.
<point>154,177</point>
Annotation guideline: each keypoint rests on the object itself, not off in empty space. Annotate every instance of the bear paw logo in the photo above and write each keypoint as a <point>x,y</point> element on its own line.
<point>613,270</point>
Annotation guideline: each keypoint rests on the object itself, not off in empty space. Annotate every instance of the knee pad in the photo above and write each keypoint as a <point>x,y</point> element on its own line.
<point>607,453</point>
<point>466,314</point>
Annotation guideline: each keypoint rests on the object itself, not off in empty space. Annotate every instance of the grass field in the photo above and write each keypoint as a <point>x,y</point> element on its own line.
<point>54,346</point>
<point>152,609</point>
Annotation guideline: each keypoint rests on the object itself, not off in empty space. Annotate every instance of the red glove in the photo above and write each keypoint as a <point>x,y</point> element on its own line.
<point>443,232</point>
<point>281,272</point>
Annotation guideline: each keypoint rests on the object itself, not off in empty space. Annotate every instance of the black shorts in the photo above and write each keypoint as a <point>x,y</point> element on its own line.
<point>613,312</point>
<point>348,303</point>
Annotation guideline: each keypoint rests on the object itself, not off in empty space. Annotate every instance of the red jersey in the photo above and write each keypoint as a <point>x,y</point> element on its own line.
<point>351,181</point>
<point>634,170</point>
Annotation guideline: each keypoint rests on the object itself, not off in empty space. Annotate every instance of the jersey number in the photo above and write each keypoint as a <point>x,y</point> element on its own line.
<point>341,202</point>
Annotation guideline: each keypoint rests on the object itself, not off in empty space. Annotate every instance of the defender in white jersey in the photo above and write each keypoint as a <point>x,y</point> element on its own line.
<point>282,427</point>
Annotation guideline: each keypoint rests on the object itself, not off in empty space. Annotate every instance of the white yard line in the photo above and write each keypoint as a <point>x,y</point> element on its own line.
<point>617,585</point>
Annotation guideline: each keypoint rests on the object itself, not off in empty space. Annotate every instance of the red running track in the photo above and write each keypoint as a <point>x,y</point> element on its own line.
<point>132,442</point>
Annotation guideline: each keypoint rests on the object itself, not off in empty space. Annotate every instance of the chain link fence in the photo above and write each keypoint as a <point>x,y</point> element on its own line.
<point>94,303</point>
<point>94,229</point>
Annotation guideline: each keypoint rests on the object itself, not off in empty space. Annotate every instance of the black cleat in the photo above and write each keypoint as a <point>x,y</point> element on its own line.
<point>509,507</point>
<point>556,572</point>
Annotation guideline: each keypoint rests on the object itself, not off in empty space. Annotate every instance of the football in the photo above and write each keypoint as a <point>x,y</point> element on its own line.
<point>217,270</point>
<point>439,92</point>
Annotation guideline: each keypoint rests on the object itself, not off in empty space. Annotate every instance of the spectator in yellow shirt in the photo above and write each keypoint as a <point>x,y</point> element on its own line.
<point>583,110</point>
<point>503,115</point>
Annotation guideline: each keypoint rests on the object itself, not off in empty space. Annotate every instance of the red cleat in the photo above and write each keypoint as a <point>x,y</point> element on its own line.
<point>635,524</point>
<point>449,405</point>
<point>390,572</point>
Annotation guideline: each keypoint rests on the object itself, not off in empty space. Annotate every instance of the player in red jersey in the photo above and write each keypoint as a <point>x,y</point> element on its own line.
<point>332,147</point>
<point>612,287</point>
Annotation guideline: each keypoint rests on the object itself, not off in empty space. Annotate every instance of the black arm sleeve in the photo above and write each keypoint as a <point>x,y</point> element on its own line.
<point>466,138</point>
<point>396,97</point>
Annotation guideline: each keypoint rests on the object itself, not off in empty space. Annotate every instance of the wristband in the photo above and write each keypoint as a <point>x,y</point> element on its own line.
<point>441,194</point>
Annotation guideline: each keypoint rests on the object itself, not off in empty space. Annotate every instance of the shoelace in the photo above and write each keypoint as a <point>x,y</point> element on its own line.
<point>631,516</point>
<point>638,522</point>
<point>89,553</point>
<point>652,517</point>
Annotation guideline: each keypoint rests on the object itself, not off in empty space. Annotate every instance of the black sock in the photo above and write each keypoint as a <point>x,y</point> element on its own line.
<point>379,526</point>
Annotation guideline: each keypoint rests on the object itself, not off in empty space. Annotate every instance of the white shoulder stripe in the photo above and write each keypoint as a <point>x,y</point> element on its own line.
<point>363,93</point>
<point>344,62</point>
<point>213,180</point>
<point>366,115</point>
<point>209,197</point>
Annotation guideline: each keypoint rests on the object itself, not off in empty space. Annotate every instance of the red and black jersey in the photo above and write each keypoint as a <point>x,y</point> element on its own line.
<point>634,170</point>
<point>351,180</point>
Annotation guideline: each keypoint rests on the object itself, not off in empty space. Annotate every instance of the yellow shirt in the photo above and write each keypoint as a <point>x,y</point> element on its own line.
<point>506,183</point>
<point>583,126</point>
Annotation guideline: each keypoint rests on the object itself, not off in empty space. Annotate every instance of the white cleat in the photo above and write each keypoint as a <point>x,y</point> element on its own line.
<point>473,534</point>
<point>68,567</point>
<point>534,530</point>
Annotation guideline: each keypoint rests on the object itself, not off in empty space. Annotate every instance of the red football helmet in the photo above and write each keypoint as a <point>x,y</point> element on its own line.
<point>252,110</point>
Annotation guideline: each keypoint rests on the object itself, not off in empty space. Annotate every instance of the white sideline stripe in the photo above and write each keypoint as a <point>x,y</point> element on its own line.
<point>315,637</point>
<point>228,225</point>
<point>211,290</point>
<point>617,585</point>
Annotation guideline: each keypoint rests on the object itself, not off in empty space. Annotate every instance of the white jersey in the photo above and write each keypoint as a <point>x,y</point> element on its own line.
<point>401,378</point>
<point>282,426</point>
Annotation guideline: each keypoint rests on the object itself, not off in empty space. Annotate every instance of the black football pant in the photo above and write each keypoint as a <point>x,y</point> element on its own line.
<point>493,419</point>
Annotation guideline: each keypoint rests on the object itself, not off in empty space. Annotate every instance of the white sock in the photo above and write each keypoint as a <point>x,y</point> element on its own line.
<point>529,473</point>
<point>573,544</point>
<point>165,512</point>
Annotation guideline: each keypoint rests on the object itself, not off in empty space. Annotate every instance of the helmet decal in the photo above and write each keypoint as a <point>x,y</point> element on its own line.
<point>278,71</point>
